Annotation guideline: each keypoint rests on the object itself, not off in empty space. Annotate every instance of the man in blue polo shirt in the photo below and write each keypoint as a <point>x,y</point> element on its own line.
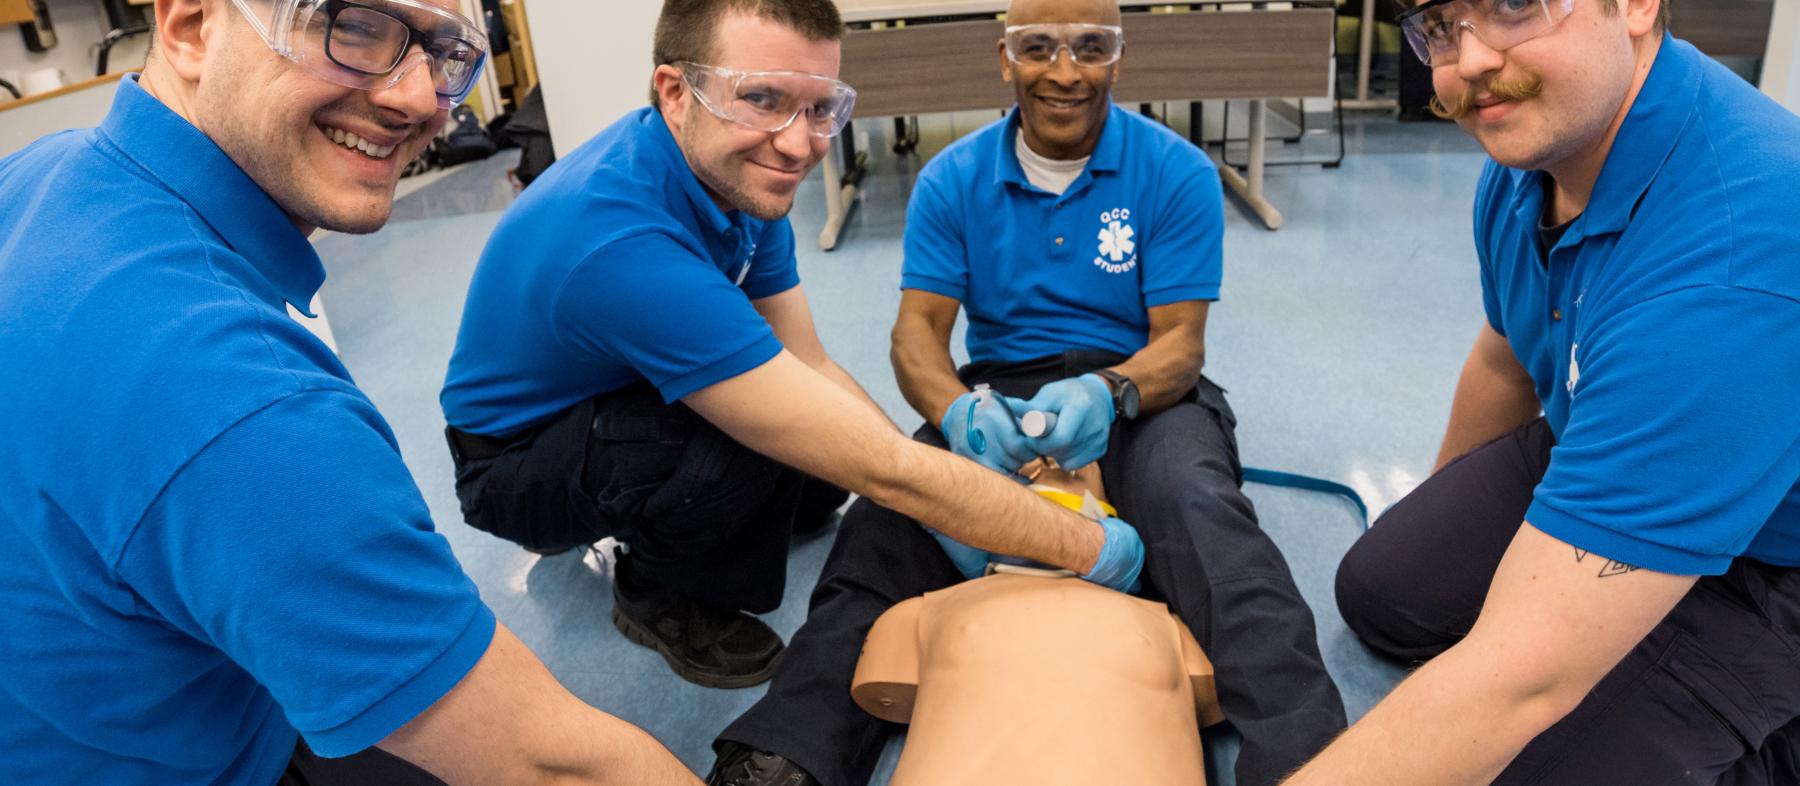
<point>637,358</point>
<point>1638,265</point>
<point>217,567</point>
<point>1085,243</point>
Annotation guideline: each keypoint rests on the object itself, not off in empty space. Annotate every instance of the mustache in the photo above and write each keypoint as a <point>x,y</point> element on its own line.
<point>1503,89</point>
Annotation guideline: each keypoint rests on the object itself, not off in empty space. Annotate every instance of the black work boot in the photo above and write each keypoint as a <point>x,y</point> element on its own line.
<point>740,765</point>
<point>717,648</point>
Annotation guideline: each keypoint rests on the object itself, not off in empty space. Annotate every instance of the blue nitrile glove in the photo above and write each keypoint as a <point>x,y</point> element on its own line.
<point>980,426</point>
<point>1121,559</point>
<point>1084,414</point>
<point>971,562</point>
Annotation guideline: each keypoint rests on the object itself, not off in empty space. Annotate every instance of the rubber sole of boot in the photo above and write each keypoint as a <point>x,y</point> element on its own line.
<point>638,635</point>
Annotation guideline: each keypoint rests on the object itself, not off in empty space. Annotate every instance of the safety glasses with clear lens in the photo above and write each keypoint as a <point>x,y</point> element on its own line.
<point>373,44</point>
<point>1434,29</point>
<point>1088,45</point>
<point>772,100</point>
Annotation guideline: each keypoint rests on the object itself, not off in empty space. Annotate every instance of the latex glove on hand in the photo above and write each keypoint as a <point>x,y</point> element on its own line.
<point>1083,407</point>
<point>980,427</point>
<point>971,562</point>
<point>1121,558</point>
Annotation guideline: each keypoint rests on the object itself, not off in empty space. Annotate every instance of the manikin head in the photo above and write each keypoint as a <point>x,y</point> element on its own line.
<point>703,47</point>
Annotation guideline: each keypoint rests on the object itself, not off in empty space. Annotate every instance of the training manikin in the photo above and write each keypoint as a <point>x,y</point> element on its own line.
<point>1028,676</point>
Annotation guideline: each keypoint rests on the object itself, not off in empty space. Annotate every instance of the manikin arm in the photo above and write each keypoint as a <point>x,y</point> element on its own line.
<point>887,674</point>
<point>1200,673</point>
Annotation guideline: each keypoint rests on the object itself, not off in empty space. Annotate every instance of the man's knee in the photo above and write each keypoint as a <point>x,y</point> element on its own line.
<point>1383,595</point>
<point>1182,448</point>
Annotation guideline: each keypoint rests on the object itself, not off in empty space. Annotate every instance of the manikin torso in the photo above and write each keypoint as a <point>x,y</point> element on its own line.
<point>1038,679</point>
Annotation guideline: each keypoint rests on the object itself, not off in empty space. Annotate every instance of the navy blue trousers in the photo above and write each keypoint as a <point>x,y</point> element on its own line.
<point>1710,696</point>
<point>704,516</point>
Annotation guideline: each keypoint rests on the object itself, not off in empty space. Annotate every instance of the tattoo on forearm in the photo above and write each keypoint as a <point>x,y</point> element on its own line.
<point>1613,567</point>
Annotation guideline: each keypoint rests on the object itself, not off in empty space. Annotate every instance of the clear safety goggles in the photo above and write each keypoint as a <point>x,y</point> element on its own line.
<point>1089,45</point>
<point>373,44</point>
<point>771,100</point>
<point>1435,28</point>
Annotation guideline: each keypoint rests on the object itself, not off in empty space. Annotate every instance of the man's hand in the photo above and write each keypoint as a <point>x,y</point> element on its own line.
<point>1083,408</point>
<point>1121,559</point>
<point>979,428</point>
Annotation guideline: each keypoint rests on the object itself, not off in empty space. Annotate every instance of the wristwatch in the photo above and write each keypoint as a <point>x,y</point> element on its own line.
<point>1124,393</point>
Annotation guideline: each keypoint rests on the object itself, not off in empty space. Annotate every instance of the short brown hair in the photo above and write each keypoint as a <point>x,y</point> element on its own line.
<point>684,30</point>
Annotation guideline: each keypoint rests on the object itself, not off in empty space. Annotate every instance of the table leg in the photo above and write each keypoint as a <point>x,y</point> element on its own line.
<point>839,197</point>
<point>1365,55</point>
<point>1249,186</point>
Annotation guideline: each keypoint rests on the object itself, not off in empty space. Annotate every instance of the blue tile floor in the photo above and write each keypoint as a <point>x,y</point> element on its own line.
<point>1339,337</point>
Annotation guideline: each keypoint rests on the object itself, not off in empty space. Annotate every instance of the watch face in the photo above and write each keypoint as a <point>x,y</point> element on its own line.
<point>1128,400</point>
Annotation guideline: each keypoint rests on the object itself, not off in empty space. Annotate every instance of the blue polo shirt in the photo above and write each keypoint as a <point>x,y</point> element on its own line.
<point>614,267</point>
<point>211,544</point>
<point>1040,274</point>
<point>1663,331</point>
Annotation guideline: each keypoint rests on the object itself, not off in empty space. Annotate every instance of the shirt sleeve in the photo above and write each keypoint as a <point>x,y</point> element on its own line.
<point>297,544</point>
<point>936,260</point>
<point>1184,253</point>
<point>773,270</point>
<point>1485,201</point>
<point>674,317</point>
<point>1682,436</point>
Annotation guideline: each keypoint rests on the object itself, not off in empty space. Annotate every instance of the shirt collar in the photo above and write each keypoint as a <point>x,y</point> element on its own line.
<point>1105,158</point>
<point>705,209</point>
<point>1658,116</point>
<point>193,167</point>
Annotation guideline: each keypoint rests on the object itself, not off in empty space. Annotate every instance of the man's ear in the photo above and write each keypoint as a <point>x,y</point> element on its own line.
<point>1005,64</point>
<point>181,36</point>
<point>672,95</point>
<point>1640,16</point>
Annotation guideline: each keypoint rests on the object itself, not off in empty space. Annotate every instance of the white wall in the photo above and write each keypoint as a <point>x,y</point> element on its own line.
<point>587,87</point>
<point>79,24</point>
<point>1781,67</point>
<point>22,125</point>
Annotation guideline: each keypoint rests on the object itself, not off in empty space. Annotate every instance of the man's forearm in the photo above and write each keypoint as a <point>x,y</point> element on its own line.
<point>509,721</point>
<point>923,368</point>
<point>629,755</point>
<point>838,376</point>
<point>984,509</point>
<point>1454,722</point>
<point>1488,403</point>
<point>1165,370</point>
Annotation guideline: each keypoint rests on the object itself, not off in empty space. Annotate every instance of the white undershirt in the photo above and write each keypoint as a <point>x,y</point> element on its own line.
<point>1048,173</point>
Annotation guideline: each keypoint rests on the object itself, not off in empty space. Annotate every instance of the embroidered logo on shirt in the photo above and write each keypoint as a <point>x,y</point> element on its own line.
<point>1574,370</point>
<point>1118,253</point>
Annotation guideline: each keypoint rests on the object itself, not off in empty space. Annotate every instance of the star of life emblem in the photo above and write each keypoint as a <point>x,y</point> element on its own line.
<point>1118,252</point>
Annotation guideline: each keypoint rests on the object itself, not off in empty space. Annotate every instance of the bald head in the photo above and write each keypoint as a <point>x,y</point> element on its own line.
<point>1037,12</point>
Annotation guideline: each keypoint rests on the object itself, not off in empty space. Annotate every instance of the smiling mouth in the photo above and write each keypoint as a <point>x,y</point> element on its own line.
<point>1062,103</point>
<point>351,141</point>
<point>778,170</point>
